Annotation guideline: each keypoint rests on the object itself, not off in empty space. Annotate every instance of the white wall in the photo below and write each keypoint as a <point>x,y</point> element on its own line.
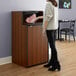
<point>6,6</point>
<point>68,14</point>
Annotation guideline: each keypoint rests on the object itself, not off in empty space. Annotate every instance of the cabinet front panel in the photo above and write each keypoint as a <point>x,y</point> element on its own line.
<point>37,46</point>
<point>29,45</point>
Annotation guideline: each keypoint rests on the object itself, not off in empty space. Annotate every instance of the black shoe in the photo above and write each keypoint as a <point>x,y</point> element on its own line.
<point>48,64</point>
<point>55,67</point>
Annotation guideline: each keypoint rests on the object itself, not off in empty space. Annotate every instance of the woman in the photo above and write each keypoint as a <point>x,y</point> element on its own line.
<point>50,26</point>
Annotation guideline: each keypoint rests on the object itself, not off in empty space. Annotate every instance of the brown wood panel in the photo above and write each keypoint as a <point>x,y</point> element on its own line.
<point>19,38</point>
<point>13,38</point>
<point>34,45</point>
<point>36,48</point>
<point>15,41</point>
<point>44,48</point>
<point>42,52</point>
<point>29,46</point>
<point>24,46</point>
<point>39,44</point>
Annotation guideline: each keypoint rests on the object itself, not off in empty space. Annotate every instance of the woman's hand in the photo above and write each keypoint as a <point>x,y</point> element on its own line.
<point>43,31</point>
<point>44,27</point>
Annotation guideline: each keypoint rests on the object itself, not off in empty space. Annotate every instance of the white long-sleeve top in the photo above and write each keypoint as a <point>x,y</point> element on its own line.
<point>51,15</point>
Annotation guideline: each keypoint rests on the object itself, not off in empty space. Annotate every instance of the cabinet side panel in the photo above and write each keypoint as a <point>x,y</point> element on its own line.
<point>14,38</point>
<point>19,39</point>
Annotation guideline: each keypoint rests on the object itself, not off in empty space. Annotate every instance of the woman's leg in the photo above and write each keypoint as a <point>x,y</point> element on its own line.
<point>51,35</point>
<point>51,40</point>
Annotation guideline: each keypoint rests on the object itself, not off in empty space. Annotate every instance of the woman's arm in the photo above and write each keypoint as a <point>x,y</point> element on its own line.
<point>33,18</point>
<point>45,26</point>
<point>39,17</point>
<point>48,16</point>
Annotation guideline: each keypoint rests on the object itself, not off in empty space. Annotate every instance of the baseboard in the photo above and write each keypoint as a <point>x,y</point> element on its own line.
<point>5,60</point>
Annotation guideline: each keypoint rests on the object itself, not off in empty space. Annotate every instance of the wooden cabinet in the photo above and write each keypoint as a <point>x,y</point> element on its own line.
<point>29,46</point>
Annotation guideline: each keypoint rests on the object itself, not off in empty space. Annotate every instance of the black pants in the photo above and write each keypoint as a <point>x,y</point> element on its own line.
<point>51,35</point>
